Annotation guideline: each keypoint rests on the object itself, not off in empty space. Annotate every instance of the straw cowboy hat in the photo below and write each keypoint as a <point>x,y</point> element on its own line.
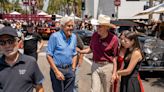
<point>105,20</point>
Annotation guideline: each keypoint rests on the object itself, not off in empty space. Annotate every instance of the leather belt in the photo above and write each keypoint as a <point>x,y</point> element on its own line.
<point>64,66</point>
<point>102,62</point>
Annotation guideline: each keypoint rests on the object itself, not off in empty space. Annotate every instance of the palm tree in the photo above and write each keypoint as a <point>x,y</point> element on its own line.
<point>16,6</point>
<point>3,4</point>
<point>39,4</point>
<point>8,7</point>
<point>66,6</point>
<point>54,6</point>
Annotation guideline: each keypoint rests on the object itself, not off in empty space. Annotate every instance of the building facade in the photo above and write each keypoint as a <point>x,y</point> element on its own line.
<point>126,10</point>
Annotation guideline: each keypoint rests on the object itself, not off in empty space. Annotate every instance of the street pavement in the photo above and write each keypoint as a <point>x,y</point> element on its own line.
<point>84,76</point>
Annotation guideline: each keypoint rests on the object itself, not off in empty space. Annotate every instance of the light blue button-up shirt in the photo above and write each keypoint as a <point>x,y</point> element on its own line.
<point>61,49</point>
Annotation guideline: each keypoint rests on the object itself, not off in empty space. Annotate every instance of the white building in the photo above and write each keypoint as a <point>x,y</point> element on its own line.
<point>95,7</point>
<point>126,10</point>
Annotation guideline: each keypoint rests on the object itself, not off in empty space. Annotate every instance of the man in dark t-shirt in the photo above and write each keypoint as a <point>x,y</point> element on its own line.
<point>31,40</point>
<point>18,72</point>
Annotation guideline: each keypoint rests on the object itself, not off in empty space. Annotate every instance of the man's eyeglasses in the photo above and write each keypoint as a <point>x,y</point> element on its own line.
<point>9,41</point>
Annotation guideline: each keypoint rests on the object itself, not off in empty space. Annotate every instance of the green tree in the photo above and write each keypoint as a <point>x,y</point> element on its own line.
<point>66,6</point>
<point>16,6</point>
<point>39,4</point>
<point>9,6</point>
<point>4,4</point>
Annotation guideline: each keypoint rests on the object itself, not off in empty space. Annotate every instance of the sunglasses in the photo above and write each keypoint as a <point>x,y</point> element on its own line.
<point>9,41</point>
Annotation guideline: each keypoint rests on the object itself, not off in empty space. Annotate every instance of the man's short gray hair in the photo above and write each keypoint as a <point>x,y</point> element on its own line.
<point>64,20</point>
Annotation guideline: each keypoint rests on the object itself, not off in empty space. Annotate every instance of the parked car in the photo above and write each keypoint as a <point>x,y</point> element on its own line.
<point>85,35</point>
<point>45,32</point>
<point>153,49</point>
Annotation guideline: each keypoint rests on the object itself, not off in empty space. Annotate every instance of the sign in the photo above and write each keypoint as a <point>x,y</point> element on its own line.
<point>117,2</point>
<point>33,2</point>
<point>28,3</point>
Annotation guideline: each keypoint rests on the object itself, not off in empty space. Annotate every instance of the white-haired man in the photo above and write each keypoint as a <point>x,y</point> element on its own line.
<point>61,55</point>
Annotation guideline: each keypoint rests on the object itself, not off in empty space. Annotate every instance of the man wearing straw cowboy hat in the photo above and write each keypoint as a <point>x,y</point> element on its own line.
<point>104,46</point>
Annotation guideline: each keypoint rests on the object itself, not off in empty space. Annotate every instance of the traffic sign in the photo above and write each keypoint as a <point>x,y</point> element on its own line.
<point>28,3</point>
<point>25,3</point>
<point>117,2</point>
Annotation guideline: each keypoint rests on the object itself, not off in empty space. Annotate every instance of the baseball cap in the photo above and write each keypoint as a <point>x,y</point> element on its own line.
<point>8,31</point>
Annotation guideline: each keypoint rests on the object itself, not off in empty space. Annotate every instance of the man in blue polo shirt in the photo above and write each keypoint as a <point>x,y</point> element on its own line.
<point>61,55</point>
<point>18,72</point>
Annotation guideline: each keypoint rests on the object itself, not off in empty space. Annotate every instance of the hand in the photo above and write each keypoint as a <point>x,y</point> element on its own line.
<point>79,63</point>
<point>38,51</point>
<point>118,77</point>
<point>113,78</point>
<point>73,69</point>
<point>78,50</point>
<point>59,76</point>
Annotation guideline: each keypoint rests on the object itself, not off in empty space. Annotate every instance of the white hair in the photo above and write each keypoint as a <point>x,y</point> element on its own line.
<point>64,20</point>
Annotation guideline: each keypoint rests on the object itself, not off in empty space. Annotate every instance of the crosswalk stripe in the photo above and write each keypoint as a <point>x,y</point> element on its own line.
<point>87,60</point>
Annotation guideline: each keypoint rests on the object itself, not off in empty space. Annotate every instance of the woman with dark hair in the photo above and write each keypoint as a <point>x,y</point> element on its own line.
<point>130,81</point>
<point>122,50</point>
<point>120,59</point>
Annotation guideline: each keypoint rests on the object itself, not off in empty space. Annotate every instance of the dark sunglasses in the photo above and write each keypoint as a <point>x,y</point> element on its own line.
<point>9,41</point>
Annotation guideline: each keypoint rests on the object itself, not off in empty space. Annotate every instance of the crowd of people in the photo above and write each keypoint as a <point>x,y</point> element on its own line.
<point>116,59</point>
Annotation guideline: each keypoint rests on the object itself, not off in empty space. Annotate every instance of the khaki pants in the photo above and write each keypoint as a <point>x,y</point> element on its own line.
<point>101,77</point>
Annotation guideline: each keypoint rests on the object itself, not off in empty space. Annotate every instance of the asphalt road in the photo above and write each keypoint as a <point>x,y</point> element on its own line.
<point>84,76</point>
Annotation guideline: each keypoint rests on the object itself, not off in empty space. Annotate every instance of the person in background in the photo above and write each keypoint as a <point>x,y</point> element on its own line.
<point>80,46</point>
<point>57,26</point>
<point>20,34</point>
<point>104,46</point>
<point>31,39</point>
<point>19,72</point>
<point>62,56</point>
<point>132,60</point>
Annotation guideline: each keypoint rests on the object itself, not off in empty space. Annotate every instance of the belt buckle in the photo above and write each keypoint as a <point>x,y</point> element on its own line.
<point>65,67</point>
<point>104,63</point>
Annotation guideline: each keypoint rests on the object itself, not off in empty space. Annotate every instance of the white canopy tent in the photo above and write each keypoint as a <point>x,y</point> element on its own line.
<point>65,15</point>
<point>42,13</point>
<point>57,16</point>
<point>159,10</point>
<point>75,17</point>
<point>153,10</point>
<point>15,13</point>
